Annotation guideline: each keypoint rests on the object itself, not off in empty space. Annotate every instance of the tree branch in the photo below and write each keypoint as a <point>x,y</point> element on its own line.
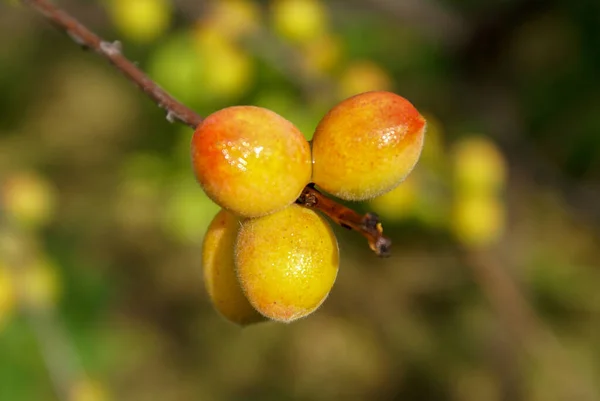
<point>368,225</point>
<point>112,52</point>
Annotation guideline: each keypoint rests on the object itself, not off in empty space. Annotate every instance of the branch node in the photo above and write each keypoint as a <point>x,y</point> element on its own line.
<point>171,117</point>
<point>118,46</point>
<point>368,225</point>
<point>110,49</point>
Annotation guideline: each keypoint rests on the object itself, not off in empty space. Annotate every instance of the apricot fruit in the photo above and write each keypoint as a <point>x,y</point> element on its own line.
<point>219,271</point>
<point>250,160</point>
<point>366,145</point>
<point>286,262</point>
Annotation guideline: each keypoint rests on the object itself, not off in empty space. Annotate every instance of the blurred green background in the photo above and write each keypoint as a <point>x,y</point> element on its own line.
<point>492,289</point>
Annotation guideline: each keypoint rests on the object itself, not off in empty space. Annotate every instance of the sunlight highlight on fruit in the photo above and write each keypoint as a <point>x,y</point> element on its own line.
<point>366,145</point>
<point>220,277</point>
<point>250,160</point>
<point>287,262</point>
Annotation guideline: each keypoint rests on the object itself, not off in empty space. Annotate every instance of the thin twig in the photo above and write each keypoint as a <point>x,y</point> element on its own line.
<point>368,225</point>
<point>112,52</point>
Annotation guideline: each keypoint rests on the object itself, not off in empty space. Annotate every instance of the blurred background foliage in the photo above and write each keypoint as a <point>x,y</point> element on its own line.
<point>492,289</point>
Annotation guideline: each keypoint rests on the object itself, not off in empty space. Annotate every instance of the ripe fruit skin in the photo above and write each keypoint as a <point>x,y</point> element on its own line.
<point>366,145</point>
<point>250,160</point>
<point>287,262</point>
<point>219,271</point>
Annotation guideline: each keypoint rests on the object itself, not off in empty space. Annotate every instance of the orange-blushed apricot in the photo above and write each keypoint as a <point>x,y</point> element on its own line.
<point>250,160</point>
<point>366,145</point>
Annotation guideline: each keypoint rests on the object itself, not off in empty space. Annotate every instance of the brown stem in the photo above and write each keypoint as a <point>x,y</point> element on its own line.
<point>368,225</point>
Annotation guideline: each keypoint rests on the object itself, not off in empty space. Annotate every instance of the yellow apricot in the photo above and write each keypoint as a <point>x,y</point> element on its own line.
<point>366,145</point>
<point>287,262</point>
<point>219,271</point>
<point>250,160</point>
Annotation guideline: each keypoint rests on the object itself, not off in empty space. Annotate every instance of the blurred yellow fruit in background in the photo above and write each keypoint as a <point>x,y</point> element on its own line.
<point>141,21</point>
<point>434,155</point>
<point>188,210</point>
<point>299,20</point>
<point>218,266</point>
<point>233,18</point>
<point>38,284</point>
<point>88,390</point>
<point>7,295</point>
<point>478,219</point>
<point>363,76</point>
<point>227,70</point>
<point>287,262</point>
<point>322,54</point>
<point>176,66</point>
<point>479,165</point>
<point>29,199</point>
<point>398,203</point>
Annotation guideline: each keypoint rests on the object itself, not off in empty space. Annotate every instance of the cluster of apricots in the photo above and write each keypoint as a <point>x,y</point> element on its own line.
<point>264,256</point>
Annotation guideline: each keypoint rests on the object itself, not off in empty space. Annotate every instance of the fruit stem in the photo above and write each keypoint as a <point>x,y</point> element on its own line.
<point>368,225</point>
